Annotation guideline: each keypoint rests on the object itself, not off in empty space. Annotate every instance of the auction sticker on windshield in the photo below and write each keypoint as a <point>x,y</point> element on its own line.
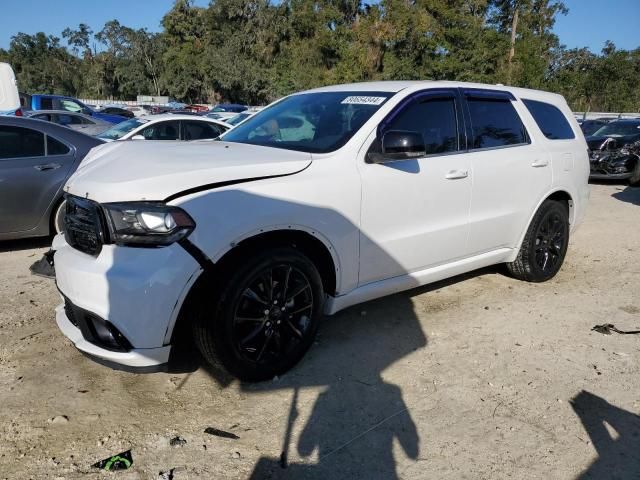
<point>356,100</point>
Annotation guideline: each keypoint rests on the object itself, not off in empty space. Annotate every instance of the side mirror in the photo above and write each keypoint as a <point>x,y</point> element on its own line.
<point>399,145</point>
<point>138,137</point>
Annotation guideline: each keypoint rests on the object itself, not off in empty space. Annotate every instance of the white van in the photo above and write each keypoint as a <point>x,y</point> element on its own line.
<point>325,199</point>
<point>9,99</point>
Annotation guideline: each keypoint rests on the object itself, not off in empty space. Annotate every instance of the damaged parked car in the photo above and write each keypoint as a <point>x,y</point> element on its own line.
<point>614,152</point>
<point>323,200</point>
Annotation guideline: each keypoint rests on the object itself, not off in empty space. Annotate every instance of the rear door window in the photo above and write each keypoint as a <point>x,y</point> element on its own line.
<point>550,119</point>
<point>56,147</point>
<point>162,131</point>
<point>495,123</point>
<point>194,130</point>
<point>16,142</point>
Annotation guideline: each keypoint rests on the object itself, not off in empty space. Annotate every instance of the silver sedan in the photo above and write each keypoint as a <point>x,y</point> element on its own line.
<point>36,158</point>
<point>73,120</point>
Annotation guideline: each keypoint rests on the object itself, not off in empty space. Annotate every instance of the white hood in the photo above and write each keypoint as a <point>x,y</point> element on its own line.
<point>155,170</point>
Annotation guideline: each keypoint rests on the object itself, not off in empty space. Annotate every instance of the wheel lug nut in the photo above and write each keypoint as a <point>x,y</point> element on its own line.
<point>266,312</point>
<point>283,309</point>
<point>268,324</point>
<point>275,302</point>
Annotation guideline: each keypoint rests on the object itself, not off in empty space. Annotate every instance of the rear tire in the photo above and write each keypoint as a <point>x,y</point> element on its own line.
<point>263,315</point>
<point>544,246</point>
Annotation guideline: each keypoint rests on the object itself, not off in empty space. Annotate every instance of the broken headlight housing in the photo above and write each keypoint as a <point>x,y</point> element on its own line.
<point>147,224</point>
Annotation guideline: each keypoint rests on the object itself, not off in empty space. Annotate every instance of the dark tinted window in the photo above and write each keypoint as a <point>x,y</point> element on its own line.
<point>46,103</point>
<point>20,142</point>
<point>550,120</point>
<point>435,119</point>
<point>69,119</point>
<point>55,147</point>
<point>200,130</point>
<point>495,123</point>
<point>162,131</point>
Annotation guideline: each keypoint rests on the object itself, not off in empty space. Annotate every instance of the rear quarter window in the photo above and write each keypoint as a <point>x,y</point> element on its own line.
<point>550,119</point>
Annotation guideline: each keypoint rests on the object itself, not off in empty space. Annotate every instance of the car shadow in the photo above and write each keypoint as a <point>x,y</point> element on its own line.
<point>615,434</point>
<point>359,414</point>
<point>629,195</point>
<point>24,244</point>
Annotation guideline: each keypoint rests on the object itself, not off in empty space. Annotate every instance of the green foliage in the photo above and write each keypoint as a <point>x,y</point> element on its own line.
<point>254,51</point>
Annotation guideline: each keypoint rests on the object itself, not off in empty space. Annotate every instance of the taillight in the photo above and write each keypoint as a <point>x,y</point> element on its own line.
<point>19,113</point>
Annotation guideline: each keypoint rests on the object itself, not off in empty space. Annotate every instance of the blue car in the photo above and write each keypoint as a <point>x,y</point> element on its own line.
<point>60,102</point>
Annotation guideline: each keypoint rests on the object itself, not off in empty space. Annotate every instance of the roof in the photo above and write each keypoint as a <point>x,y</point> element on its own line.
<point>49,128</point>
<point>177,116</point>
<point>29,113</point>
<point>395,86</point>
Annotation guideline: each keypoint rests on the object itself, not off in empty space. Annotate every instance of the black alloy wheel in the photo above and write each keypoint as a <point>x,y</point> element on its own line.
<point>273,314</point>
<point>550,242</point>
<point>545,244</point>
<point>263,314</point>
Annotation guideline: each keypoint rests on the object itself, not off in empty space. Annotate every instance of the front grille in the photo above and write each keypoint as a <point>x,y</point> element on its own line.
<point>83,225</point>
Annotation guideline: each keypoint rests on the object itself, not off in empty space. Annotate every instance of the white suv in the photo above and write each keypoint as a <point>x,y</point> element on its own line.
<point>325,199</point>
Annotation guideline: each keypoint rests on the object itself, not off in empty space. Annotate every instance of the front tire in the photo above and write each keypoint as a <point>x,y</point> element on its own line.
<point>544,246</point>
<point>262,316</point>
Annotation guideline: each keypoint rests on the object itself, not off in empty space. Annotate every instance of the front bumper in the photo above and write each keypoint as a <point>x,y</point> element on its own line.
<point>139,291</point>
<point>140,360</point>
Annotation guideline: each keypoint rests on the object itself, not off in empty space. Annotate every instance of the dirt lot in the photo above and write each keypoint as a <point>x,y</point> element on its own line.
<point>480,377</point>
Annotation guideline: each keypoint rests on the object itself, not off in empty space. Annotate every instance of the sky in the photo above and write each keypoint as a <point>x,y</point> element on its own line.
<point>589,22</point>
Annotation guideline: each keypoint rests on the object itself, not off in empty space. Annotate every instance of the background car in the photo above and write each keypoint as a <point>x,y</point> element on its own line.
<point>70,104</point>
<point>589,127</point>
<point>140,110</point>
<point>76,121</point>
<point>122,112</point>
<point>242,116</point>
<point>165,127</point>
<point>197,107</point>
<point>36,159</point>
<point>614,151</point>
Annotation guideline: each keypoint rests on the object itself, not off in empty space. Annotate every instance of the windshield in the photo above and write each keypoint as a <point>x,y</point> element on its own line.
<point>235,120</point>
<point>619,129</point>
<point>121,129</point>
<point>309,122</point>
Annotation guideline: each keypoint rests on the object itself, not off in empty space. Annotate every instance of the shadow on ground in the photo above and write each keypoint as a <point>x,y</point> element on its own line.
<point>629,195</point>
<point>24,244</point>
<point>359,415</point>
<point>615,434</point>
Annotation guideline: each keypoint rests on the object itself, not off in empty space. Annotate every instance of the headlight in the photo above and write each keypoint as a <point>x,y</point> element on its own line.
<point>147,223</point>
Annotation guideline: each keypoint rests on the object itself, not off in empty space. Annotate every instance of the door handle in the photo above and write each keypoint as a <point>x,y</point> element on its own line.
<point>47,166</point>
<point>455,174</point>
<point>540,163</point>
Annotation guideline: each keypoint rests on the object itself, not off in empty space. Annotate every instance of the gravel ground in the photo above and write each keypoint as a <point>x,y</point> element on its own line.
<point>478,377</point>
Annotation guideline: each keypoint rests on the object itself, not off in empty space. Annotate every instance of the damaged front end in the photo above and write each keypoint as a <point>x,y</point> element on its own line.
<point>611,161</point>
